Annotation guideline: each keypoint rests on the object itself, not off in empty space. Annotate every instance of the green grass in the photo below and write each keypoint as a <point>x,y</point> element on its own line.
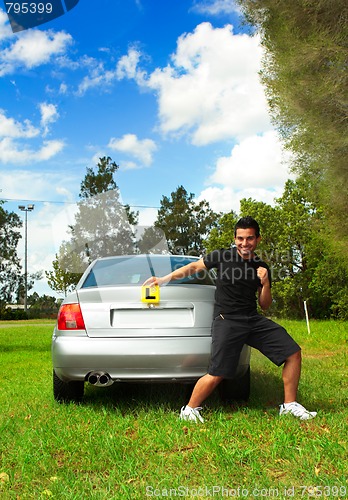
<point>127,441</point>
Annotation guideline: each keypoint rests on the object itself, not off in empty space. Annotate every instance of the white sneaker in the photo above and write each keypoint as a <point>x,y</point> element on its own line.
<point>188,413</point>
<point>297,410</point>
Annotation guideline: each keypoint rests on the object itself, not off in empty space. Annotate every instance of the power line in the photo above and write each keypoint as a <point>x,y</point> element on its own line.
<point>68,202</point>
<point>41,201</point>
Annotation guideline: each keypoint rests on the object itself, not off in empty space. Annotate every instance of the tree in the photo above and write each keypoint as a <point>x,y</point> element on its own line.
<point>11,277</point>
<point>102,227</point>
<point>305,76</point>
<point>43,302</point>
<point>303,266</point>
<point>101,181</point>
<point>152,240</point>
<point>185,222</point>
<point>102,224</point>
<point>286,232</point>
<point>294,243</point>
<point>31,278</point>
<point>222,236</point>
<point>59,280</point>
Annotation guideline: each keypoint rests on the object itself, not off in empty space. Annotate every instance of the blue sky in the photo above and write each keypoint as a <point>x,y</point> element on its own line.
<point>169,90</point>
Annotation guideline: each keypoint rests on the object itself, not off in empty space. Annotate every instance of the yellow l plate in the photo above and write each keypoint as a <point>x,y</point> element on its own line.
<point>150,294</point>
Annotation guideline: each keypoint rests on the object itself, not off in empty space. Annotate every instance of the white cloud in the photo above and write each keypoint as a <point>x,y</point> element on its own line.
<point>140,149</point>
<point>49,114</point>
<point>15,137</point>
<point>257,161</point>
<point>60,222</point>
<point>63,88</point>
<point>66,194</point>
<point>215,7</point>
<point>257,168</point>
<point>9,127</point>
<point>226,198</point>
<point>5,29</point>
<point>33,48</point>
<point>219,199</point>
<point>129,165</point>
<point>99,77</point>
<point>212,87</point>
<point>30,185</point>
<point>127,65</point>
<point>48,150</point>
<point>13,152</point>
<point>147,216</point>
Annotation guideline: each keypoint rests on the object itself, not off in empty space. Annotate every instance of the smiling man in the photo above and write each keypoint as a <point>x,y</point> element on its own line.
<point>242,279</point>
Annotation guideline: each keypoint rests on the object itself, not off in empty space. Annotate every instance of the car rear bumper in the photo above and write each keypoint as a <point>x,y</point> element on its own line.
<point>131,358</point>
<point>135,359</point>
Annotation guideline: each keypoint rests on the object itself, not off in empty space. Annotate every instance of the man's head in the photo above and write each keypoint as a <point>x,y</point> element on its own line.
<point>247,223</point>
<point>246,237</point>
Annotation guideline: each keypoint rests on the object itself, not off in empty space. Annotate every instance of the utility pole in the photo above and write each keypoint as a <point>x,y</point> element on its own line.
<point>26,209</point>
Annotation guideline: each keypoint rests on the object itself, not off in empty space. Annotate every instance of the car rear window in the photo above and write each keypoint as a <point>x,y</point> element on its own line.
<point>134,270</point>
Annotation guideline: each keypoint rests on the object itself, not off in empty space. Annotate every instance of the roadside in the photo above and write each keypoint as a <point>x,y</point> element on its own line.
<point>26,322</point>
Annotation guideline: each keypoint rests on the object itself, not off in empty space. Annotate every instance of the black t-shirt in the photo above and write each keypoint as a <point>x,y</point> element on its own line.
<point>237,281</point>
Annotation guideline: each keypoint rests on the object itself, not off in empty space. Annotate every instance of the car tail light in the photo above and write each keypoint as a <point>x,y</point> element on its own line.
<point>70,317</point>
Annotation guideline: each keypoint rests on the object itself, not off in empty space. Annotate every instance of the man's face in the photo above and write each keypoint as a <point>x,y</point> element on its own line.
<point>246,242</point>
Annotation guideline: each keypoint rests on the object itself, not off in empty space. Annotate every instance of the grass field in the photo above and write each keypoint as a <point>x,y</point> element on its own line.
<point>127,441</point>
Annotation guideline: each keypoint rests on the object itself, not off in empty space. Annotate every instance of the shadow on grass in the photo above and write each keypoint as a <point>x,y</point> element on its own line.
<point>134,396</point>
<point>266,393</point>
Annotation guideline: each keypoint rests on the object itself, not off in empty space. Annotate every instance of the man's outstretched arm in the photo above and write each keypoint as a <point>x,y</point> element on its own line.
<point>182,272</point>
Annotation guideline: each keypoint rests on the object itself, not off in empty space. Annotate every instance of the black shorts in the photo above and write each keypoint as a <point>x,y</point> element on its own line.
<point>230,334</point>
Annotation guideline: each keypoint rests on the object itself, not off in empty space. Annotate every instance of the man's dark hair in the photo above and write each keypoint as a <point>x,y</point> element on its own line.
<point>246,223</point>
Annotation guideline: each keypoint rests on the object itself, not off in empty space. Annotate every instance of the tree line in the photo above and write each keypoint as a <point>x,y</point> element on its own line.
<point>294,242</point>
<point>304,267</point>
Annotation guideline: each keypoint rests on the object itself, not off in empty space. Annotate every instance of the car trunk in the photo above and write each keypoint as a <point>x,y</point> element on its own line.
<point>119,312</point>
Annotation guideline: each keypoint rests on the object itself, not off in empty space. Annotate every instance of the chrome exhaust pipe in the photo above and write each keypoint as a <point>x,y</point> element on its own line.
<point>100,379</point>
<point>104,379</point>
<point>93,378</point>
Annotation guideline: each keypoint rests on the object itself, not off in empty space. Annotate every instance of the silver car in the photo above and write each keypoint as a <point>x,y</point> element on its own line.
<point>110,330</point>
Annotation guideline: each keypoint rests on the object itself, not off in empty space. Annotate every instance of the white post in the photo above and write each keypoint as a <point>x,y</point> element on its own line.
<point>307,319</point>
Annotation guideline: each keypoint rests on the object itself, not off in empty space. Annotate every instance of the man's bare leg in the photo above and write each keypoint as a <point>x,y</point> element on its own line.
<point>203,388</point>
<point>291,377</point>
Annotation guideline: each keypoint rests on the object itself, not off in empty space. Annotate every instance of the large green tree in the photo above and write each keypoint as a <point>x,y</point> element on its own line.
<point>102,223</point>
<point>11,278</point>
<point>102,227</point>
<point>290,245</point>
<point>304,267</point>
<point>305,76</point>
<point>294,243</point>
<point>185,222</point>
